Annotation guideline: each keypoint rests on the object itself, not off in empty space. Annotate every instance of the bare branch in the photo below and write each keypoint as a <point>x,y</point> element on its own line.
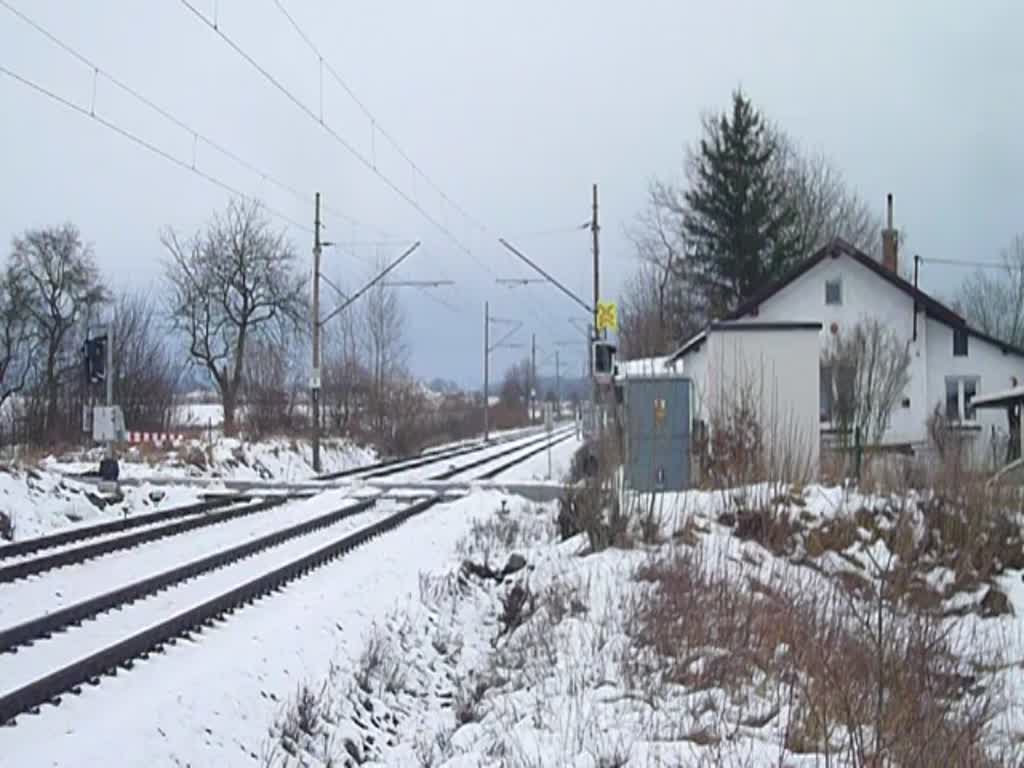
<point>231,284</point>
<point>994,300</point>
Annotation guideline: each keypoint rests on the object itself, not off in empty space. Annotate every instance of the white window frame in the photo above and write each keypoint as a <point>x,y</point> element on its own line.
<point>838,281</point>
<point>961,399</point>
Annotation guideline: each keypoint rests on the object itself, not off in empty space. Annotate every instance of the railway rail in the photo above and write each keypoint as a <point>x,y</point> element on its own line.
<point>70,673</point>
<point>72,547</point>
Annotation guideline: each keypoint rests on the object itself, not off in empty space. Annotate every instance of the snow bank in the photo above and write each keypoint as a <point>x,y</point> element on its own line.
<point>39,501</point>
<point>546,666</point>
<point>225,458</point>
<point>42,499</point>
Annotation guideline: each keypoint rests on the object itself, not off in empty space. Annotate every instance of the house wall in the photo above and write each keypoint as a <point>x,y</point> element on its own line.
<point>864,295</point>
<point>779,370</point>
<point>694,367</point>
<point>994,371</point>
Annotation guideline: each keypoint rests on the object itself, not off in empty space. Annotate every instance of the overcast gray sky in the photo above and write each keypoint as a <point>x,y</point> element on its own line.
<point>513,109</point>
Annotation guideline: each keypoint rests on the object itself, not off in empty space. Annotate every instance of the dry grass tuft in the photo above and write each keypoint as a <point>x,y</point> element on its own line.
<point>864,679</point>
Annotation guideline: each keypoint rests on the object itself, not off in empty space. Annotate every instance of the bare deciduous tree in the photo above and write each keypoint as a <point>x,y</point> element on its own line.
<point>412,417</point>
<point>515,385</point>
<point>643,331</point>
<point>147,375</point>
<point>62,286</point>
<point>234,282</point>
<point>994,300</point>
<point>660,307</point>
<point>383,331</point>
<point>271,386</point>
<point>869,370</point>
<point>345,377</point>
<point>16,347</point>
<point>826,206</point>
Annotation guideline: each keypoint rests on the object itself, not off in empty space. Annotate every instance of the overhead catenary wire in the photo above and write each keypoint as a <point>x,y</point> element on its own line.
<point>375,124</point>
<point>376,127</point>
<point>124,132</point>
<point>549,232</point>
<point>368,162</point>
<point>344,143</point>
<point>384,273</point>
<point>197,135</point>
<point>968,263</point>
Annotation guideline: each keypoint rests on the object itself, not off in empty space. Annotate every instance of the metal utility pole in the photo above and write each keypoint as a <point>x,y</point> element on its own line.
<point>594,334</point>
<point>315,378</point>
<point>109,374</point>
<point>594,229</point>
<point>487,346</point>
<point>558,385</point>
<point>532,394</point>
<point>501,343</point>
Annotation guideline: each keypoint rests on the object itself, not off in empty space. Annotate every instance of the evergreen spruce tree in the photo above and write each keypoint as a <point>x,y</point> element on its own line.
<point>739,219</point>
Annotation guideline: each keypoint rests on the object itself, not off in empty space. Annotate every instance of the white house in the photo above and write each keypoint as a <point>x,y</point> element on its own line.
<point>759,372</point>
<point>951,362</point>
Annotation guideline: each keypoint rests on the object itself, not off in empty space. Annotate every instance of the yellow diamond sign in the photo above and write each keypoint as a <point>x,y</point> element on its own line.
<point>607,316</point>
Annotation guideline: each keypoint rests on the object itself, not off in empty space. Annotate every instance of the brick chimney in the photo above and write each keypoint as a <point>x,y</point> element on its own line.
<point>890,239</point>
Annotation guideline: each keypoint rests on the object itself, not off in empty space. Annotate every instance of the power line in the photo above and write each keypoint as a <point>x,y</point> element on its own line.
<point>549,232</point>
<point>375,125</point>
<point>99,71</point>
<point>387,270</point>
<point>967,263</point>
<point>547,275</point>
<point>366,162</point>
<point>148,145</point>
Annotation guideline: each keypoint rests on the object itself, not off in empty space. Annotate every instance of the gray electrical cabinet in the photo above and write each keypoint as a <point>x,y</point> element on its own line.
<point>657,416</point>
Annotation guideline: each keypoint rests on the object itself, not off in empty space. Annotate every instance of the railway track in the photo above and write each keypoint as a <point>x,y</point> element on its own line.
<point>393,466</point>
<point>74,555</point>
<point>534,447</point>
<point>73,546</point>
<point>73,535</point>
<point>48,656</point>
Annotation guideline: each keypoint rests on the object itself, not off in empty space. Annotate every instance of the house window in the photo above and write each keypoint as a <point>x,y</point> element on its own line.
<point>960,391</point>
<point>959,342</point>
<point>834,291</point>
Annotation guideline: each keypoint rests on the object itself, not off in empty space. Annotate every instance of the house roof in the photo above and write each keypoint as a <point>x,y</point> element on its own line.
<point>691,345</point>
<point>1001,399</point>
<point>731,325</point>
<point>838,247</point>
<point>645,366</point>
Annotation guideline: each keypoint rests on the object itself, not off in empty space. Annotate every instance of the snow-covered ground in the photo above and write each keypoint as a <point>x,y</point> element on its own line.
<point>43,498</point>
<point>450,678</point>
<point>225,458</point>
<point>193,415</point>
<point>211,700</point>
<point>41,501</point>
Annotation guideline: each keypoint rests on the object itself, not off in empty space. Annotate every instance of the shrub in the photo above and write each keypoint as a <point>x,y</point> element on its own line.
<point>867,681</point>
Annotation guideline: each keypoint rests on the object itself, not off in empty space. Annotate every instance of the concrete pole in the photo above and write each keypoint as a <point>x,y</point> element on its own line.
<point>110,383</point>
<point>487,352</point>
<point>531,395</point>
<point>558,386</point>
<point>315,379</point>
<point>594,334</point>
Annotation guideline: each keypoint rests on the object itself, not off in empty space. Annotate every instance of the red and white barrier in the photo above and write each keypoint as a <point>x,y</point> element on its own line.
<point>157,438</point>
